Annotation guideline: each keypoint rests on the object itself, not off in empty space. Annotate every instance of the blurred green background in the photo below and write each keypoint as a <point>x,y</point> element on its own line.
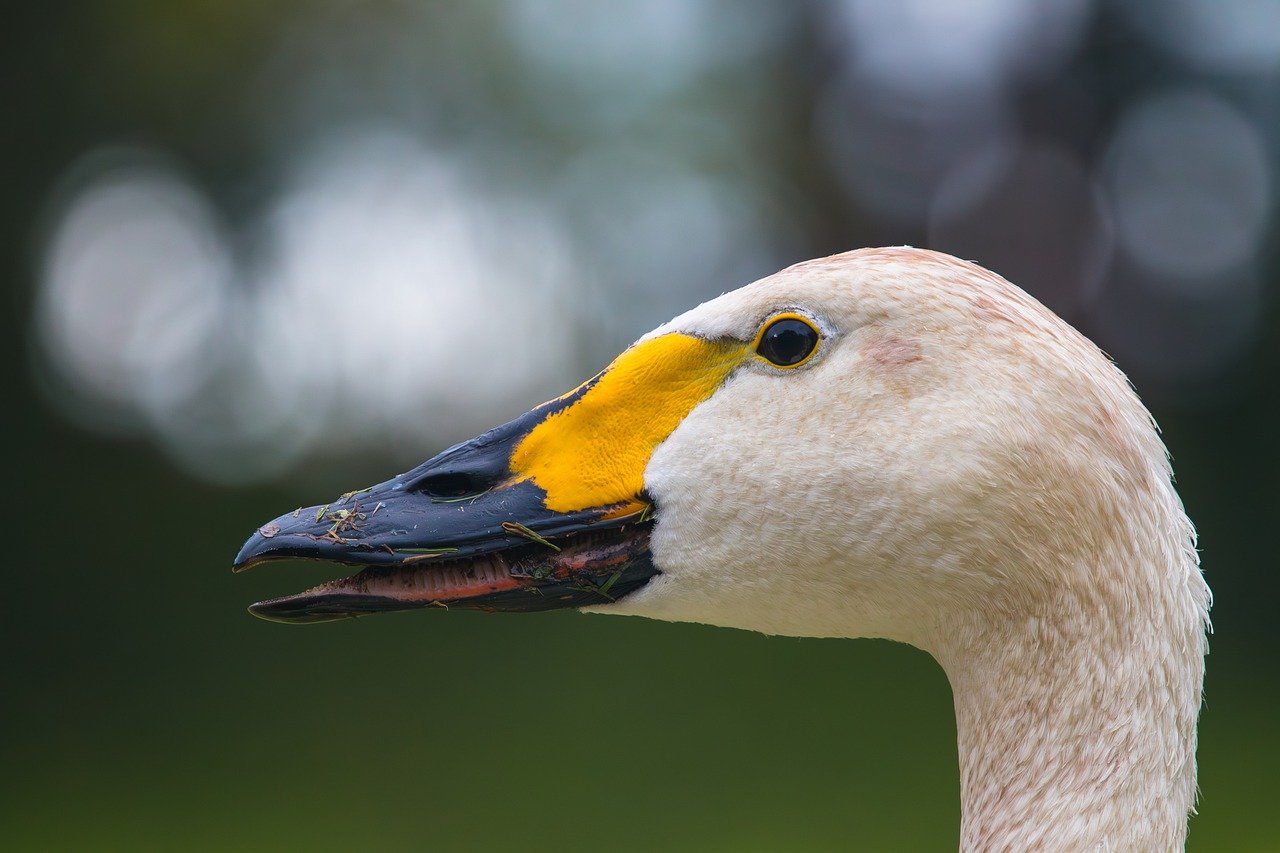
<point>260,253</point>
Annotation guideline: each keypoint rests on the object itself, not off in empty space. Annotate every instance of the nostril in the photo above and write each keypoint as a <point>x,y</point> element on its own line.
<point>453,484</point>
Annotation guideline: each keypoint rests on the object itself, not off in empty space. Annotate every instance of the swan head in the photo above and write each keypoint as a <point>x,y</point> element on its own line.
<point>889,443</point>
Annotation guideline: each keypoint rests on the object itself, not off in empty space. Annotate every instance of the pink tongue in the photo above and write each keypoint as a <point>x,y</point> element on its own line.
<point>421,581</point>
<point>478,576</point>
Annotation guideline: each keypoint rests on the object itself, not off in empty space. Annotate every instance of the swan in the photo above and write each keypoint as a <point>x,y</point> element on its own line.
<point>884,443</point>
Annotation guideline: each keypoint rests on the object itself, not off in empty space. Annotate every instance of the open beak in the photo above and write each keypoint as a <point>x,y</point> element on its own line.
<point>549,510</point>
<point>461,530</point>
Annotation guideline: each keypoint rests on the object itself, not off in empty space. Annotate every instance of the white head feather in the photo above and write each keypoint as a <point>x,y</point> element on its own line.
<point>960,470</point>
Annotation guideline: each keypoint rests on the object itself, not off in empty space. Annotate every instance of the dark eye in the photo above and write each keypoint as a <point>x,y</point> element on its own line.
<point>788,341</point>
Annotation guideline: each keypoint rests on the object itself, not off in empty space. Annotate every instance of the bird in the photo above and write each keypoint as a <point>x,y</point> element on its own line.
<point>890,443</point>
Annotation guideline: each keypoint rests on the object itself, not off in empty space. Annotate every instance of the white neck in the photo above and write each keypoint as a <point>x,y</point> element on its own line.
<point>1077,727</point>
<point>971,476</point>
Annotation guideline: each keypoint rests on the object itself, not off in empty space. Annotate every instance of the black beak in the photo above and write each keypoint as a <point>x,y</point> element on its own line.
<point>458,531</point>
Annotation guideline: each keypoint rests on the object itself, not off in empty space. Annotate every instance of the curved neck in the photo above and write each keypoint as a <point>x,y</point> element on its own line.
<point>1076,726</point>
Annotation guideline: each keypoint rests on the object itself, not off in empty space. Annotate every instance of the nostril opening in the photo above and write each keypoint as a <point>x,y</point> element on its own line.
<point>452,485</point>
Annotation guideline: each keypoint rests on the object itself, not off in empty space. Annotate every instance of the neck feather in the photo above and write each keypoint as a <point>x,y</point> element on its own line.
<point>1076,718</point>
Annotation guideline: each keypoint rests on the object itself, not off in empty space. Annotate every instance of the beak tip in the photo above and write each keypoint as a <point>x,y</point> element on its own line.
<point>271,610</point>
<point>250,553</point>
<point>262,610</point>
<point>276,538</point>
<point>289,611</point>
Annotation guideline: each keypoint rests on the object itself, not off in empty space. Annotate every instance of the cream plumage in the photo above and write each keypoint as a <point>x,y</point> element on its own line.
<point>954,468</point>
<point>963,472</point>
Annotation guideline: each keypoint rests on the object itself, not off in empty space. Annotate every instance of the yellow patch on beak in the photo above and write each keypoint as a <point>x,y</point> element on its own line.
<point>593,453</point>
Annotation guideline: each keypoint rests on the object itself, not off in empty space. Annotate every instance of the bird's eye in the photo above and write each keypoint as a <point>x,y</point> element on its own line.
<point>788,340</point>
